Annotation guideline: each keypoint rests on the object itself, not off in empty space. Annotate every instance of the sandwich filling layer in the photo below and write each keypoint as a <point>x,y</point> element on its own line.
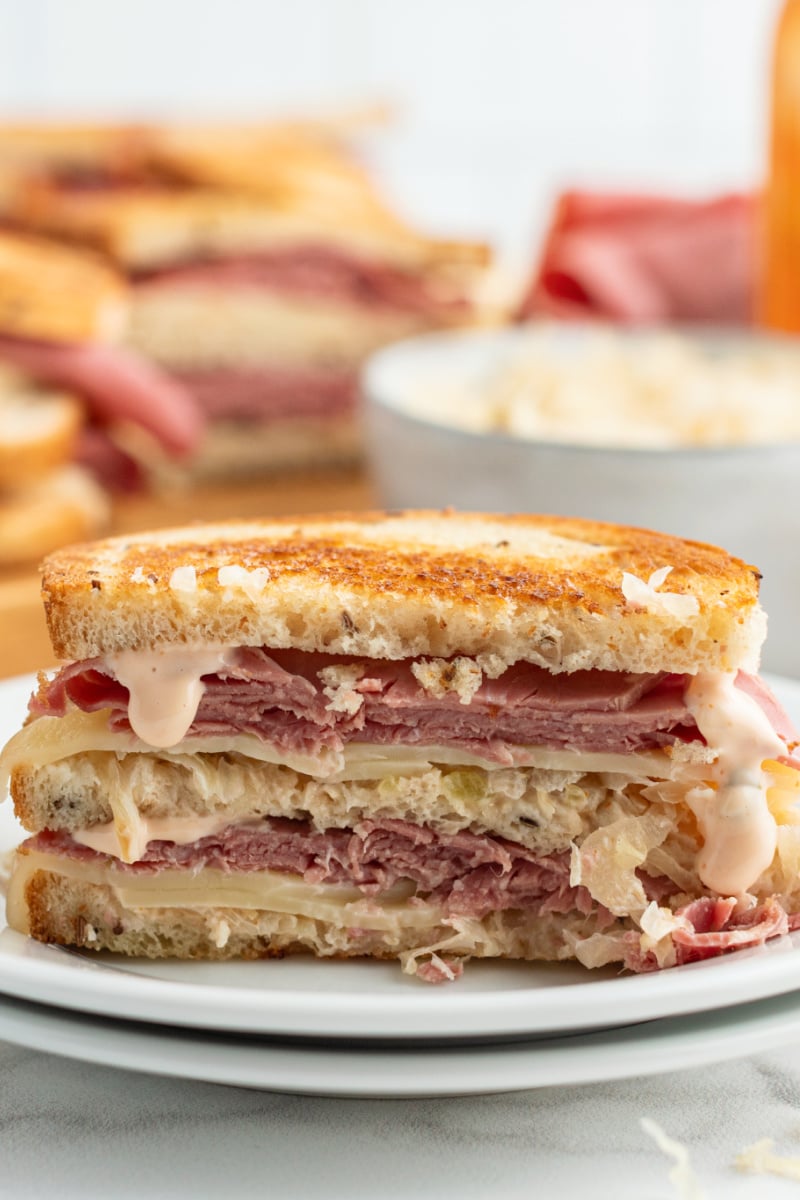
<point>271,391</point>
<point>298,700</point>
<point>653,814</point>
<point>117,384</point>
<point>323,272</point>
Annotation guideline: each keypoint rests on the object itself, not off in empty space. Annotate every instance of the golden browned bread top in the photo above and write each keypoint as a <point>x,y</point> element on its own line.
<point>70,144</point>
<point>283,161</point>
<point>545,589</point>
<point>187,190</point>
<point>150,226</point>
<point>195,151</point>
<point>306,167</point>
<point>56,293</point>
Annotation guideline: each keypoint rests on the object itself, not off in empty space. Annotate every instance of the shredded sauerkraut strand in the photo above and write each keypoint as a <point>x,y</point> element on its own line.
<point>686,1183</point>
<point>759,1159</point>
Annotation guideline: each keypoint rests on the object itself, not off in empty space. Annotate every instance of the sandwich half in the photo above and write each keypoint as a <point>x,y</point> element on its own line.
<point>58,305</point>
<point>263,268</point>
<point>425,736</point>
<point>64,313</point>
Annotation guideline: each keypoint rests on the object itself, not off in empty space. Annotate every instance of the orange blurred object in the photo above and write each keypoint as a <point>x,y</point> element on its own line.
<point>778,298</point>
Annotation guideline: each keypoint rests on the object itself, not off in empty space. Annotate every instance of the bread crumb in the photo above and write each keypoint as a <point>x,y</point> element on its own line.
<point>492,665</point>
<point>691,752</point>
<point>438,676</point>
<point>339,684</point>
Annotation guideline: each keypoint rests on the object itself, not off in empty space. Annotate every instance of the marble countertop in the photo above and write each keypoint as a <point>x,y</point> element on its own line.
<point>70,1129</point>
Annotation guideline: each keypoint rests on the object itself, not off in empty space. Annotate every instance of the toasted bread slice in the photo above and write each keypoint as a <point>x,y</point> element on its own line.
<point>206,327</point>
<point>303,168</point>
<point>282,161</point>
<point>87,786</point>
<point>66,144</point>
<point>90,151</point>
<point>250,449</point>
<point>300,167</point>
<point>37,430</point>
<point>55,509</point>
<point>55,293</point>
<point>83,153</point>
<point>548,590</point>
<point>59,908</point>
<point>146,228</point>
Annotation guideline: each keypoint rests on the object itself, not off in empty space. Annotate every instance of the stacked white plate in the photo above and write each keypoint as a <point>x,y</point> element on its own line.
<point>365,1029</point>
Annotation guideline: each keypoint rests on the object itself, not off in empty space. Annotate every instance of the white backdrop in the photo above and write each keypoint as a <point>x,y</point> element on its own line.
<point>498,100</point>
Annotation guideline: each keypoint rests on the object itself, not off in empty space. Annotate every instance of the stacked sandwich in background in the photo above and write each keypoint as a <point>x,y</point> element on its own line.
<point>66,389</point>
<point>264,268</point>
<point>50,300</point>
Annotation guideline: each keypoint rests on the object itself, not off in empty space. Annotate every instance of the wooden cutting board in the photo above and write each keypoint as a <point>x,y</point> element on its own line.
<point>24,644</point>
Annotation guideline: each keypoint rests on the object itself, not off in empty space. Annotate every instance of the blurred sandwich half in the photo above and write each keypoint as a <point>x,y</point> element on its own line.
<point>63,316</point>
<point>423,736</point>
<point>46,499</point>
<point>264,268</point>
<point>51,300</point>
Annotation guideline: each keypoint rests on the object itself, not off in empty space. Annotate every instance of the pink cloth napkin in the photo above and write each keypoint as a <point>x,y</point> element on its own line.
<point>646,259</point>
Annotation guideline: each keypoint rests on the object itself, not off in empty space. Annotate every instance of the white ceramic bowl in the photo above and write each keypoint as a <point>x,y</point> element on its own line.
<point>745,498</point>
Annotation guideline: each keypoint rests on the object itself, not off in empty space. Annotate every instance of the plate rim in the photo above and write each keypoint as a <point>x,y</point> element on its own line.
<point>325,1070</point>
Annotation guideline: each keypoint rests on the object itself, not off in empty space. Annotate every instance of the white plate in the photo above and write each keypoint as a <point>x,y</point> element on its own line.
<point>325,1069</point>
<point>370,1000</point>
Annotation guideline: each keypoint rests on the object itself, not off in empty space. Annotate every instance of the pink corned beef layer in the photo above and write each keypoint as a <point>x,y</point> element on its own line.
<point>320,272</point>
<point>115,384</point>
<point>259,393</point>
<point>279,697</point>
<point>463,874</point>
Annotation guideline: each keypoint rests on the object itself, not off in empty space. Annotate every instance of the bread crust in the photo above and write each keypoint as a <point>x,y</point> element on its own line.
<point>147,227</point>
<point>79,792</point>
<point>37,432</point>
<point>69,144</point>
<point>300,167</point>
<point>203,327</point>
<point>303,167</point>
<point>53,509</point>
<point>251,449</point>
<point>57,293</point>
<point>393,585</point>
<point>69,912</point>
